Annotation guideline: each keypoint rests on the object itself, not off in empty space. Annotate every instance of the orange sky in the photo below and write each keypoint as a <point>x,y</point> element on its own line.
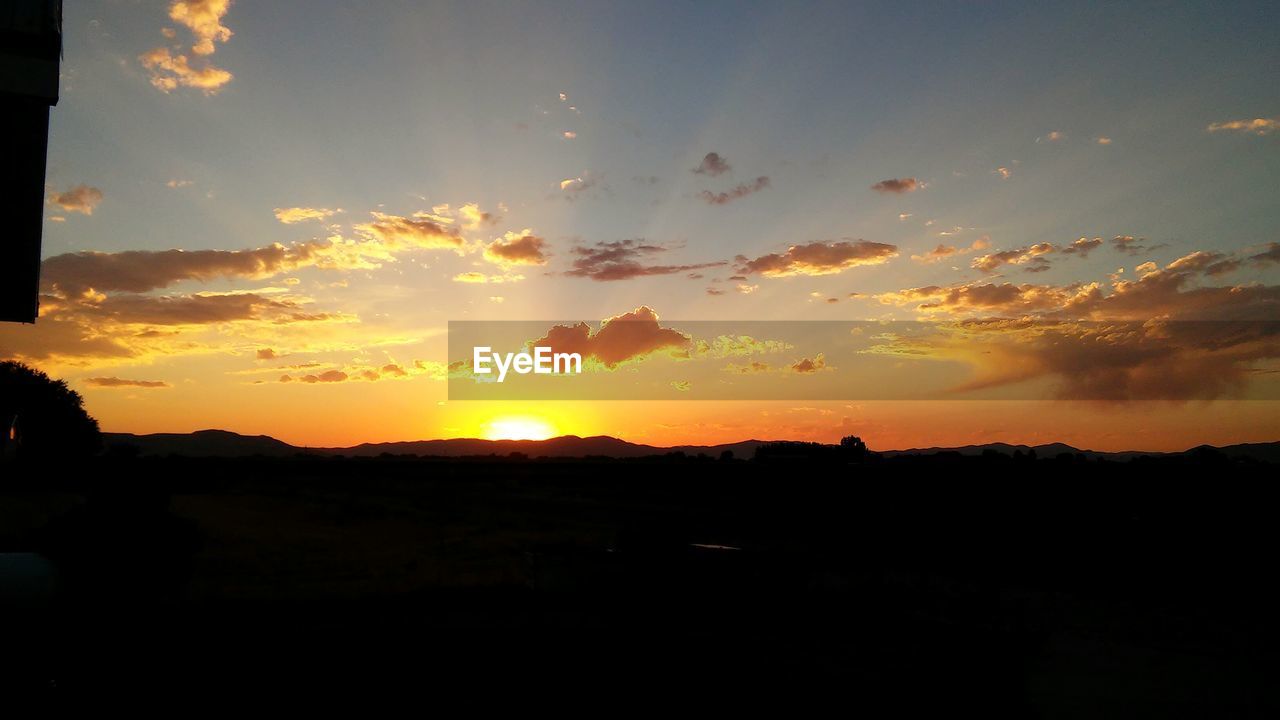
<point>252,231</point>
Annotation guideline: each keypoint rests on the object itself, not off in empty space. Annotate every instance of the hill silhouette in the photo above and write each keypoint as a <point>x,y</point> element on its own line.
<point>222,443</point>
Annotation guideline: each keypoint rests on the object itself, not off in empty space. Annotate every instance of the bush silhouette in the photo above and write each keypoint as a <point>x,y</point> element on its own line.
<point>42,417</point>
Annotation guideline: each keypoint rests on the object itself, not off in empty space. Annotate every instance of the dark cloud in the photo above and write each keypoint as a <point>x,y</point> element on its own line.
<point>713,165</point>
<point>897,186</point>
<point>737,192</point>
<point>623,260</point>
<point>1082,247</point>
<point>1210,263</point>
<point>143,270</point>
<point>115,382</point>
<point>1268,256</point>
<point>810,365</point>
<point>1131,245</point>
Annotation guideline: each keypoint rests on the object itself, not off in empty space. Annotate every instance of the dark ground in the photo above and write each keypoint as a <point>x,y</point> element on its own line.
<point>1033,588</point>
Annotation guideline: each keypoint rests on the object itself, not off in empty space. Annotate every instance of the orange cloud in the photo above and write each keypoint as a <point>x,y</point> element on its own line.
<point>81,199</point>
<point>620,339</point>
<point>1031,257</point>
<point>522,248</point>
<point>170,68</point>
<point>1256,126</point>
<point>818,258</point>
<point>293,215</point>
<point>397,232</point>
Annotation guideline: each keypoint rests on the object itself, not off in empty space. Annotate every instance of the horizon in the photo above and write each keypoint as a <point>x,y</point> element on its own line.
<point>686,445</point>
<point>251,230</point>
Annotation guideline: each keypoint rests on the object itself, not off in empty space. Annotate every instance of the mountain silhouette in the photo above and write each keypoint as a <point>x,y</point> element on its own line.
<point>222,443</point>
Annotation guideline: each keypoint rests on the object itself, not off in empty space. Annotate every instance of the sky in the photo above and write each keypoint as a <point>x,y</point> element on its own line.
<point>344,180</point>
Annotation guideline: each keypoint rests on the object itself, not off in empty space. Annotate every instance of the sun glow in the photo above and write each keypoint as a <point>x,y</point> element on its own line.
<point>519,428</point>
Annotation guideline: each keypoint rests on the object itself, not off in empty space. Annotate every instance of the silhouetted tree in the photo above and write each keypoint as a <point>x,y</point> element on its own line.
<point>42,417</point>
<point>853,446</point>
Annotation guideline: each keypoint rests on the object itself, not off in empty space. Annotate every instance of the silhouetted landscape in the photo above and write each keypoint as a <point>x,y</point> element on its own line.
<point>993,575</point>
<point>985,299</point>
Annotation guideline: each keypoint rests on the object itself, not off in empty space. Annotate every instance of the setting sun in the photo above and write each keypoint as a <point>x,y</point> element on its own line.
<point>519,428</point>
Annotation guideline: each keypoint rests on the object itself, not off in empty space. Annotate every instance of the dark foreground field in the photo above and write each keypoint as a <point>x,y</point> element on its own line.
<point>1045,588</point>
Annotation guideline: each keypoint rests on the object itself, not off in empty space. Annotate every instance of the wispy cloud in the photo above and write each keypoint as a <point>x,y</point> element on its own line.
<point>1256,126</point>
<point>737,192</point>
<point>624,260</point>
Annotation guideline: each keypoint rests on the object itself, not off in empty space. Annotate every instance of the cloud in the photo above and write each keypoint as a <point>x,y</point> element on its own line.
<point>176,183</point>
<point>479,278</point>
<point>945,251</point>
<point>1210,263</point>
<point>623,260</point>
<point>1082,247</point>
<point>1256,126</point>
<point>473,217</point>
<point>713,164</point>
<point>1031,257</point>
<point>737,192</point>
<point>575,187</point>
<point>1053,136</point>
<point>1269,256</point>
<point>329,376</point>
<point>621,339</point>
<point>169,72</point>
<point>143,270</point>
<point>897,186</point>
<point>204,19</point>
<point>1103,141</point>
<point>810,365</point>
<point>292,215</point>
<point>170,68</point>
<point>1116,362</point>
<point>1171,292</point>
<point>115,382</point>
<point>82,199</point>
<point>522,248</point>
<point>803,366</point>
<point>1131,245</point>
<point>267,354</point>
<point>818,258</point>
<point>197,309</point>
<point>397,232</point>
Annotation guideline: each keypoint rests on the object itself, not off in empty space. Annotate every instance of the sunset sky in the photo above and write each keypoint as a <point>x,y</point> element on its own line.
<point>343,179</point>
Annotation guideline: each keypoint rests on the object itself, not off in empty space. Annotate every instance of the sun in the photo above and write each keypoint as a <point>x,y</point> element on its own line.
<point>519,428</point>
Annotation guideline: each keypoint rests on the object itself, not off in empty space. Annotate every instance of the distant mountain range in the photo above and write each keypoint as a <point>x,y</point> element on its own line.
<point>221,443</point>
